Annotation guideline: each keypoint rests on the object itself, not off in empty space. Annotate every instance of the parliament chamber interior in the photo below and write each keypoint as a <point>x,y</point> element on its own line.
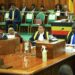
<point>37,37</point>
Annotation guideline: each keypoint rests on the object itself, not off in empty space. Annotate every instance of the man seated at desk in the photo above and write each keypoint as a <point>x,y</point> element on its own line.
<point>71,36</point>
<point>40,35</point>
<point>12,34</point>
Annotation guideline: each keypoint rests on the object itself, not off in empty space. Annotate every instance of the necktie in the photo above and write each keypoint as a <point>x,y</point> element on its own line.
<point>73,40</point>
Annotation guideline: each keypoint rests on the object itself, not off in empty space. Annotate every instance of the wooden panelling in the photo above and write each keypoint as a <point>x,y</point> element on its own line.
<point>47,3</point>
<point>1,1</point>
<point>74,6</point>
<point>63,2</point>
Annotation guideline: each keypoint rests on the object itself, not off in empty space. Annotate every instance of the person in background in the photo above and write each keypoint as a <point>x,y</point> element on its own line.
<point>65,70</point>
<point>41,34</point>
<point>24,10</point>
<point>14,17</point>
<point>65,11</point>
<point>58,10</point>
<point>12,34</point>
<point>2,35</point>
<point>71,36</point>
<point>2,12</point>
<point>33,7</point>
<point>58,7</point>
<point>42,8</point>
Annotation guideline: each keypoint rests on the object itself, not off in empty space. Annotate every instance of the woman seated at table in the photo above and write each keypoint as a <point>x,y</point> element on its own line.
<point>12,34</point>
<point>71,36</point>
<point>40,35</point>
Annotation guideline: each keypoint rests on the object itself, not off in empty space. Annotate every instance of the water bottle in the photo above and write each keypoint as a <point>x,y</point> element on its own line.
<point>26,47</point>
<point>44,54</point>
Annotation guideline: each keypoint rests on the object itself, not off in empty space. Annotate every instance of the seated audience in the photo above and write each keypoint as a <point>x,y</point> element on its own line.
<point>41,34</point>
<point>65,70</point>
<point>71,36</point>
<point>58,10</point>
<point>33,8</point>
<point>24,10</point>
<point>12,34</point>
<point>58,7</point>
<point>2,12</point>
<point>14,17</point>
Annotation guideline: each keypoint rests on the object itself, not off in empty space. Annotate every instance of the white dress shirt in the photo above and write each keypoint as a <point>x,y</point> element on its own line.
<point>9,36</point>
<point>41,38</point>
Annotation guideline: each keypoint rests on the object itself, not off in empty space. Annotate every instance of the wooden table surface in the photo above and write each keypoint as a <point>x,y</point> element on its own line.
<point>33,64</point>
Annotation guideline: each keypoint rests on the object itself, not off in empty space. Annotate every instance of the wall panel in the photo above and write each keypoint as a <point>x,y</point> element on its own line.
<point>49,4</point>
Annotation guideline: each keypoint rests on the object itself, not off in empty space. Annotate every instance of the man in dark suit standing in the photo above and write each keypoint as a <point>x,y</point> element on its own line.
<point>14,17</point>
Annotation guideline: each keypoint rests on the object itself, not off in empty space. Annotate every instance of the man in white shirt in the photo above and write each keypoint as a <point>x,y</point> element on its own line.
<point>41,34</point>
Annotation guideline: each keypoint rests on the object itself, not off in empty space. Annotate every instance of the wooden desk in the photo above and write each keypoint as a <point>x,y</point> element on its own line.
<point>35,65</point>
<point>54,49</point>
<point>9,46</point>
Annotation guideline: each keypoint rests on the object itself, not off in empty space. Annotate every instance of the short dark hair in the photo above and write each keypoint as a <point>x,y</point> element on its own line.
<point>42,26</point>
<point>65,70</point>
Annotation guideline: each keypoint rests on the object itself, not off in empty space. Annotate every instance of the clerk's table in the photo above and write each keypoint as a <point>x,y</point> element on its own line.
<point>30,65</point>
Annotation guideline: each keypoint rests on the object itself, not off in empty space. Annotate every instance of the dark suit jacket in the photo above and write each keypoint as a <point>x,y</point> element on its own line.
<point>36,36</point>
<point>17,35</point>
<point>3,36</point>
<point>69,37</point>
<point>17,15</point>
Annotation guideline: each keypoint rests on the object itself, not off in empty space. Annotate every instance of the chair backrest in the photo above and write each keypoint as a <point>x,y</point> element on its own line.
<point>58,13</point>
<point>6,16</point>
<point>29,17</point>
<point>51,18</point>
<point>41,16</point>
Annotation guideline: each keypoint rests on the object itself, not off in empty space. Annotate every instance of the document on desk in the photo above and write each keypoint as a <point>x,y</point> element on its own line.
<point>70,48</point>
<point>56,41</point>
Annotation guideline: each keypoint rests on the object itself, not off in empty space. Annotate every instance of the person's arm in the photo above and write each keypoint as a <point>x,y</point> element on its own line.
<point>68,37</point>
<point>32,40</point>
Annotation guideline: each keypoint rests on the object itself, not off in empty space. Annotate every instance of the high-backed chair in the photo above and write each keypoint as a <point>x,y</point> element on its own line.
<point>28,21</point>
<point>6,16</point>
<point>51,18</point>
<point>40,18</point>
